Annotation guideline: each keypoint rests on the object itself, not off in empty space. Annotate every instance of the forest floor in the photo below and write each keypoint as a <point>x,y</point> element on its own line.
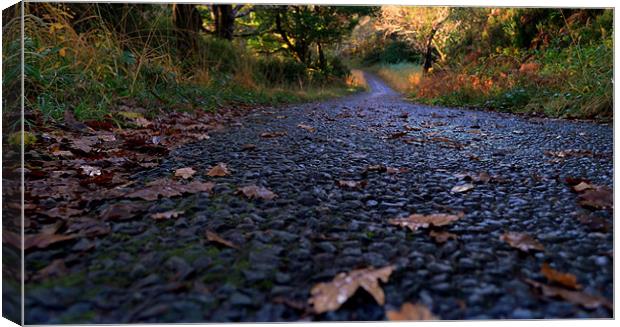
<point>522,227</point>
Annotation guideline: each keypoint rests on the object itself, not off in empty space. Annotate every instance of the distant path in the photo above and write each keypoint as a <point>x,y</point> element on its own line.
<point>148,271</point>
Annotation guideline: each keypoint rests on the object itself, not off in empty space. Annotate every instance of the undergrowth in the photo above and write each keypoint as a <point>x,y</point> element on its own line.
<point>92,70</point>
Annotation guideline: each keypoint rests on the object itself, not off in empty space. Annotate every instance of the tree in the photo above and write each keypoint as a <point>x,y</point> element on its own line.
<point>187,22</point>
<point>224,17</point>
<point>304,30</point>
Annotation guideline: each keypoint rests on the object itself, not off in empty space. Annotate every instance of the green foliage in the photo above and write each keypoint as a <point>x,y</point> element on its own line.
<point>392,53</point>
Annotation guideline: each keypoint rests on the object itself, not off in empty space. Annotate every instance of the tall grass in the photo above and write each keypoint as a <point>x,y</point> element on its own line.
<point>571,82</point>
<point>92,69</point>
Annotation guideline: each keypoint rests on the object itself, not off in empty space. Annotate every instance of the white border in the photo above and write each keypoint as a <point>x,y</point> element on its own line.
<point>468,3</point>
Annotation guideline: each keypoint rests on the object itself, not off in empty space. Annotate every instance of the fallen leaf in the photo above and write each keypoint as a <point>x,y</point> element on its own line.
<point>41,240</point>
<point>415,221</point>
<point>442,236</point>
<point>462,188</point>
<point>257,192</point>
<point>376,168</point>
<point>564,279</point>
<point>397,135</point>
<point>392,170</point>
<point>122,211</point>
<point>521,241</point>
<point>248,147</point>
<point>167,215</point>
<point>582,187</point>
<point>169,188</point>
<point>219,170</point>
<point>306,127</point>
<point>184,173</point>
<point>352,184</point>
<point>60,153</point>
<point>409,311</point>
<point>272,134</point>
<point>601,197</point>
<point>213,237</point>
<point>585,300</point>
<point>330,296</point>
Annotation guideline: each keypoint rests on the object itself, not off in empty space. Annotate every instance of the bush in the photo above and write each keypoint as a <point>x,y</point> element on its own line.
<point>277,71</point>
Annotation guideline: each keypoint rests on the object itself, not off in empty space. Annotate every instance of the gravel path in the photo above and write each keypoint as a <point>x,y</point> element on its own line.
<point>152,271</point>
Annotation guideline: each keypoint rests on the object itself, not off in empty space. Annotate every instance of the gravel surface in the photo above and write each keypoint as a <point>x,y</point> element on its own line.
<point>166,271</point>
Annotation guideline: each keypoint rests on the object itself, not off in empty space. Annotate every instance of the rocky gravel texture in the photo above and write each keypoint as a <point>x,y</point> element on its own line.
<point>167,271</point>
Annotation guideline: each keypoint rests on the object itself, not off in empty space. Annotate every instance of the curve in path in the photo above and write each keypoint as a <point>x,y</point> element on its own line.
<point>167,272</point>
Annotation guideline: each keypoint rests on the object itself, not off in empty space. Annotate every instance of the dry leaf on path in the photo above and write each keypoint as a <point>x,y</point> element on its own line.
<point>256,192</point>
<point>409,311</point>
<point>442,237</point>
<point>213,237</point>
<point>521,241</point>
<point>565,279</point>
<point>586,300</point>
<point>415,221</point>
<point>599,198</point>
<point>41,240</point>
<point>167,214</point>
<point>184,173</point>
<point>169,188</point>
<point>352,184</point>
<point>330,296</point>
<point>306,127</point>
<point>462,188</point>
<point>392,170</point>
<point>219,170</point>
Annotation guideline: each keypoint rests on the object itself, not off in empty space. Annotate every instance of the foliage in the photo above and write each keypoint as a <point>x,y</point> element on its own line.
<point>83,59</point>
<point>550,61</point>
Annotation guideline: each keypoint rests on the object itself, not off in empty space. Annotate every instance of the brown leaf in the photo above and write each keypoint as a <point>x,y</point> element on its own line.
<point>272,134</point>
<point>442,236</point>
<point>409,311</point>
<point>564,279</point>
<point>462,188</point>
<point>582,187</point>
<point>248,147</point>
<point>330,296</point>
<point>169,188</point>
<point>352,184</point>
<point>122,211</point>
<point>167,214</point>
<point>396,135</point>
<point>41,240</point>
<point>376,168</point>
<point>257,192</point>
<point>219,170</point>
<point>415,221</point>
<point>599,198</point>
<point>213,237</point>
<point>585,300</point>
<point>184,173</point>
<point>521,241</point>
<point>392,170</point>
<point>308,128</point>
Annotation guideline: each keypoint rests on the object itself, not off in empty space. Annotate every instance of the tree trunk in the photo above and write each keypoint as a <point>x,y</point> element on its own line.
<point>322,63</point>
<point>428,57</point>
<point>187,22</point>
<point>224,21</point>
